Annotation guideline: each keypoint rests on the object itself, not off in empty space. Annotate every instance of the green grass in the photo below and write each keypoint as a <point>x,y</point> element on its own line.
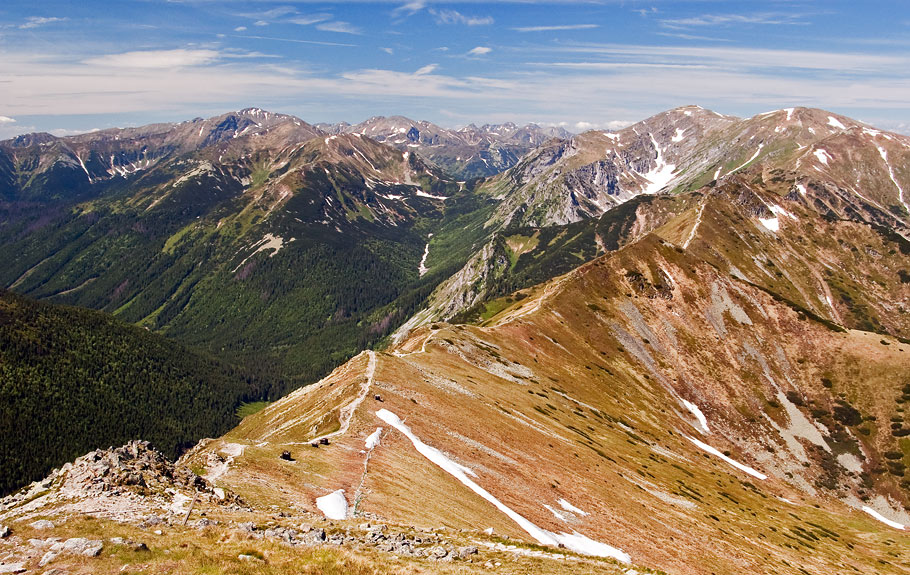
<point>250,408</point>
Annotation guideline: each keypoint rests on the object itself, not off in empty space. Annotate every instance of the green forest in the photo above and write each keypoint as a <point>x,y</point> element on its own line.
<point>73,380</point>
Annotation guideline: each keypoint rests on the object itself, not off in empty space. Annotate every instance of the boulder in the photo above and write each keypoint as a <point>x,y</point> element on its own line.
<point>42,524</point>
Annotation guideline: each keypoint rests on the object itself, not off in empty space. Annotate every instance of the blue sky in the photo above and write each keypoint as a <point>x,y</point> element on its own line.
<point>75,66</point>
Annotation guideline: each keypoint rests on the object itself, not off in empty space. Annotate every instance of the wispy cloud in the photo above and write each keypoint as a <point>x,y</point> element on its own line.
<point>479,51</point>
<point>455,17</point>
<point>428,69</point>
<point>36,21</point>
<point>715,20</point>
<point>339,26</point>
<point>409,8</point>
<point>556,28</point>
<point>151,59</point>
<point>296,40</point>
<point>307,20</point>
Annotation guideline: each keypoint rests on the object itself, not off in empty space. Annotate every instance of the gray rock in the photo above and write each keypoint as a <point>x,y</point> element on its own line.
<point>42,524</point>
<point>4,531</point>
<point>466,552</point>
<point>438,552</point>
<point>244,557</point>
<point>134,545</point>
<point>79,546</point>
<point>47,558</point>
<point>13,568</point>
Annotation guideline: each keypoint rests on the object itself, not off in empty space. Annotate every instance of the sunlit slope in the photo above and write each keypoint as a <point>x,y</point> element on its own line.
<point>578,393</point>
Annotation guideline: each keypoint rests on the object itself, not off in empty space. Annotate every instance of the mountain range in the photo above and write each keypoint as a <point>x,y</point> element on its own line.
<point>621,344</point>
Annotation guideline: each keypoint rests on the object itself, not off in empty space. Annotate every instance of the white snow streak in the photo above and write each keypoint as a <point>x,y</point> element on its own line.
<point>422,268</point>
<point>423,194</point>
<point>333,505</point>
<point>789,113</point>
<point>660,175</point>
<point>81,163</point>
<point>679,135</point>
<point>702,420</point>
<point>736,464</point>
<point>900,190</point>
<point>801,189</point>
<point>882,518</point>
<point>574,541</point>
<point>569,507</point>
<point>749,161</point>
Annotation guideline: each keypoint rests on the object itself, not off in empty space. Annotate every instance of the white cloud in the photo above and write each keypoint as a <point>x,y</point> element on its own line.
<point>35,21</point>
<point>555,28</point>
<point>240,29</point>
<point>455,17</point>
<point>309,20</point>
<point>428,69</point>
<point>152,59</point>
<point>389,51</point>
<point>410,8</point>
<point>479,51</point>
<point>339,26</point>
<point>62,132</point>
<point>6,120</point>
<point>611,125</point>
<point>714,20</point>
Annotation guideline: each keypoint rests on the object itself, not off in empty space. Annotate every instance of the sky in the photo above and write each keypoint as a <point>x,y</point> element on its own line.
<point>69,67</point>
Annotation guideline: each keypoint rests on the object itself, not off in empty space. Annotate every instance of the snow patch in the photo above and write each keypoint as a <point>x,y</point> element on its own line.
<point>333,505</point>
<point>789,113</point>
<point>373,440</point>
<point>801,189</point>
<point>773,223</point>
<point>832,121</point>
<point>679,135</point>
<point>423,194</point>
<point>882,518</point>
<point>734,463</point>
<point>612,136</point>
<point>573,541</point>
<point>702,420</point>
<point>571,508</point>
<point>822,156</point>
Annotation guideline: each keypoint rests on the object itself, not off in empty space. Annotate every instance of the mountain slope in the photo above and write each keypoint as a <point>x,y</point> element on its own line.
<point>831,165</point>
<point>73,380</point>
<point>313,243</point>
<point>601,389</point>
<point>470,152</point>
